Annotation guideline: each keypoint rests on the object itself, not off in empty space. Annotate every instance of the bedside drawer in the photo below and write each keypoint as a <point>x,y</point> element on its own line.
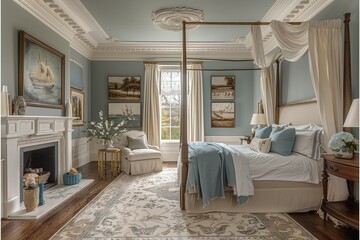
<point>342,171</point>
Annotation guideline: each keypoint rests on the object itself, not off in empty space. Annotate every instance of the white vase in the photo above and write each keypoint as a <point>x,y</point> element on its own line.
<point>108,144</point>
<point>347,154</point>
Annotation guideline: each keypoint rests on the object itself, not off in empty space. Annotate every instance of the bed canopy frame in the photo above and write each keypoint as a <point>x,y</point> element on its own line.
<point>183,125</point>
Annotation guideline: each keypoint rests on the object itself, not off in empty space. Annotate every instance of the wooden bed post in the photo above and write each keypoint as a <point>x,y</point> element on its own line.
<point>278,89</point>
<point>347,94</point>
<point>183,125</point>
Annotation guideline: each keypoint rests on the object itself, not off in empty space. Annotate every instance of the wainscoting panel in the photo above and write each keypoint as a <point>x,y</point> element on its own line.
<point>80,152</point>
<point>169,151</point>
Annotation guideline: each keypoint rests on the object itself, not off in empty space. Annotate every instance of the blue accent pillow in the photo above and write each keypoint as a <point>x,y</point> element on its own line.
<point>263,132</point>
<point>282,141</point>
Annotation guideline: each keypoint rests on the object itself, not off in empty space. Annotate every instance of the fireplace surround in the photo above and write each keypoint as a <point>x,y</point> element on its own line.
<point>26,132</point>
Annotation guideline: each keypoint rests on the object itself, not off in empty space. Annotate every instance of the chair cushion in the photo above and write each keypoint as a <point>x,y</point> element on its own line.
<point>137,142</point>
<point>143,154</point>
<point>131,133</point>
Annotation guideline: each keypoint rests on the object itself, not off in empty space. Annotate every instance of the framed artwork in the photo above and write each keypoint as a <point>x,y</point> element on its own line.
<point>129,112</point>
<point>222,114</point>
<point>41,73</point>
<point>77,101</point>
<point>124,88</point>
<point>222,87</point>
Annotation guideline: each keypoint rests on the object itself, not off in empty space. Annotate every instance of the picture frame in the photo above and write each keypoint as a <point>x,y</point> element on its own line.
<point>77,101</point>
<point>222,114</point>
<point>41,73</point>
<point>124,88</point>
<point>127,111</point>
<point>222,87</point>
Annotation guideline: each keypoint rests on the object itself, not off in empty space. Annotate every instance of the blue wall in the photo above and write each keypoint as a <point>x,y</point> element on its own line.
<point>85,78</point>
<point>244,88</point>
<point>13,19</point>
<point>296,81</point>
<point>100,70</point>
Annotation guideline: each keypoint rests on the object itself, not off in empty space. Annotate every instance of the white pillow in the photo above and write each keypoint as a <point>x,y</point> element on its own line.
<point>308,143</point>
<point>260,145</point>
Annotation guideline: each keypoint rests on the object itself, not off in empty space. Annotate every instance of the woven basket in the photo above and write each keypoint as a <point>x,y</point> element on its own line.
<point>72,179</point>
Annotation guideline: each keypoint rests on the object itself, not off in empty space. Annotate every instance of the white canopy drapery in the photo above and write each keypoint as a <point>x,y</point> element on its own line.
<point>323,40</point>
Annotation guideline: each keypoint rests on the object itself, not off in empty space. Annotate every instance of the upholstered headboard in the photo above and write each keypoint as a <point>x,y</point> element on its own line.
<point>300,113</point>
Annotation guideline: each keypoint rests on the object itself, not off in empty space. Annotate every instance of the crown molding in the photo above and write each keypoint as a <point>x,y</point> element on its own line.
<point>71,20</point>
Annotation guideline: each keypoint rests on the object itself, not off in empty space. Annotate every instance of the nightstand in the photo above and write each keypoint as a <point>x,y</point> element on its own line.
<point>346,211</point>
<point>244,140</point>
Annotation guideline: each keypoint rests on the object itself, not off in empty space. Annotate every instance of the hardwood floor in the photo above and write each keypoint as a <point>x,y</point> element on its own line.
<point>44,228</point>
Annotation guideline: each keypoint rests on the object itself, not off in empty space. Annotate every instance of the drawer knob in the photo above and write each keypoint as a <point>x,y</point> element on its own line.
<point>333,168</point>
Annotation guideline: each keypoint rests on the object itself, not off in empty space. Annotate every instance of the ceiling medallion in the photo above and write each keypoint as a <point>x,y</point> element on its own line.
<point>171,18</point>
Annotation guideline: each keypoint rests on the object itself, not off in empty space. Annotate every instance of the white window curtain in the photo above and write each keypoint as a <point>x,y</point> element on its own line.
<point>267,79</point>
<point>323,40</point>
<point>151,112</point>
<point>195,116</point>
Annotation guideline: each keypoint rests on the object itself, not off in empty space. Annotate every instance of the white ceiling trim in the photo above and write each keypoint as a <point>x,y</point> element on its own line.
<point>71,20</point>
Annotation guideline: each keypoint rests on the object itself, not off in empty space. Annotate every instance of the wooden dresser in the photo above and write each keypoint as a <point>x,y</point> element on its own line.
<point>346,211</point>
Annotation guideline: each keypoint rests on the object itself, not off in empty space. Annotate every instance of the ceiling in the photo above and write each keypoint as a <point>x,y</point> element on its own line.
<point>124,30</point>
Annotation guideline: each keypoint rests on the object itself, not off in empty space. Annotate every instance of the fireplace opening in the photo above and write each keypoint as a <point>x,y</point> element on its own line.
<point>40,159</point>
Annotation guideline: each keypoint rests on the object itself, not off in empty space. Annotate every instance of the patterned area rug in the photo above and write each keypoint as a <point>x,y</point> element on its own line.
<point>147,207</point>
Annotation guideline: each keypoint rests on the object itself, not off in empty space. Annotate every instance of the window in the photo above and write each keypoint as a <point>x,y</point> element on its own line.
<point>170,103</point>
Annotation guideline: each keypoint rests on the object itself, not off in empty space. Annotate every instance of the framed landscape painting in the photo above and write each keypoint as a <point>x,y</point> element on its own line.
<point>129,112</point>
<point>222,87</point>
<point>77,101</point>
<point>124,88</point>
<point>222,114</point>
<point>41,73</point>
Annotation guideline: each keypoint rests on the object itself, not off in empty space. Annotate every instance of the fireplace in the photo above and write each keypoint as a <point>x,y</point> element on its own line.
<point>33,142</point>
<point>40,159</point>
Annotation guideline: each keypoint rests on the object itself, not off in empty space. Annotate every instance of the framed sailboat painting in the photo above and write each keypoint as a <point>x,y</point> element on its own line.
<point>41,73</point>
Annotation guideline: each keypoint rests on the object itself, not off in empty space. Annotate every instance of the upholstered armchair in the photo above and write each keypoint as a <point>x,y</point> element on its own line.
<point>137,156</point>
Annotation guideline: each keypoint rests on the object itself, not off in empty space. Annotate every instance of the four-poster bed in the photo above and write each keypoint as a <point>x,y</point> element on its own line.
<point>283,114</point>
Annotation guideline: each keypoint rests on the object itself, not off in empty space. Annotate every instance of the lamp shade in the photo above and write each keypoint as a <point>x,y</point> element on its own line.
<point>258,119</point>
<point>352,118</point>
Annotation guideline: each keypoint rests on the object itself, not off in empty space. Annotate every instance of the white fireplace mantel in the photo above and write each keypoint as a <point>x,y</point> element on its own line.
<point>24,131</point>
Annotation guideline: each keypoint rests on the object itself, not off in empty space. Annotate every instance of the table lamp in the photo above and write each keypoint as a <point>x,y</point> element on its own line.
<point>257,119</point>
<point>352,118</point>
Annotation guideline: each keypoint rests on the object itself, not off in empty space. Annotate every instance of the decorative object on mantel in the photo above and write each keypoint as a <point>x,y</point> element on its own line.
<point>68,108</point>
<point>72,177</point>
<point>343,144</point>
<point>19,105</point>
<point>31,192</point>
<point>171,18</point>
<point>4,101</point>
<point>104,131</point>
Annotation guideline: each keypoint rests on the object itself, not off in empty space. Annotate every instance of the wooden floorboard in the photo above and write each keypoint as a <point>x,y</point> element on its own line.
<point>44,228</point>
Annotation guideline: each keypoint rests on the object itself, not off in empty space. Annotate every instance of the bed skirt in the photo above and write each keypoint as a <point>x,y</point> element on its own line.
<point>270,196</point>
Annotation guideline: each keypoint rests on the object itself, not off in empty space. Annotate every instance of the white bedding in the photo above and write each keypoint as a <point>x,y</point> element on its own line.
<point>273,166</point>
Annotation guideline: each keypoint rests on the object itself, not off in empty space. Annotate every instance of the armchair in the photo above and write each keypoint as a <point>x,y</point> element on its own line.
<point>137,156</point>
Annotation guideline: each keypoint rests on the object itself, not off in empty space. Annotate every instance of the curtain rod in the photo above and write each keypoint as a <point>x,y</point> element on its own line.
<point>229,69</point>
<point>226,60</point>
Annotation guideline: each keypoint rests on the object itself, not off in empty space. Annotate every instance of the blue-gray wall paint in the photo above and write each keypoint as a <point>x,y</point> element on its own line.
<point>86,78</point>
<point>100,70</point>
<point>13,19</point>
<point>244,106</point>
<point>295,78</point>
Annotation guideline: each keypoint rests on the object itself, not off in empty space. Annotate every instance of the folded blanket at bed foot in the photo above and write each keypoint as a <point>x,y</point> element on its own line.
<point>211,170</point>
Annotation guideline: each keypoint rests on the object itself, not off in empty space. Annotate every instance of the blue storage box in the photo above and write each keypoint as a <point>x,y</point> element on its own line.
<point>72,179</point>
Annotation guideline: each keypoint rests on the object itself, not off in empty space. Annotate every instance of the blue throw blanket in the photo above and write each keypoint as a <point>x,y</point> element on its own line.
<point>211,169</point>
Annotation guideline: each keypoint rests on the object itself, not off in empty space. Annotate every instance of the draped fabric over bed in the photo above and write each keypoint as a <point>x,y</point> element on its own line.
<point>325,70</point>
<point>323,41</point>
